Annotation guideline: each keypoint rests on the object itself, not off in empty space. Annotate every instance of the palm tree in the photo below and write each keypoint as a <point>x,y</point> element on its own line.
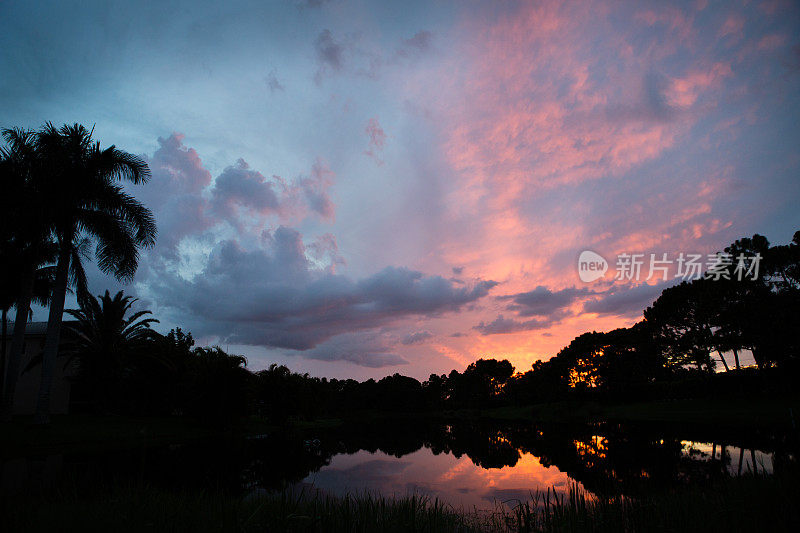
<point>79,182</point>
<point>12,266</point>
<point>25,237</point>
<point>107,343</point>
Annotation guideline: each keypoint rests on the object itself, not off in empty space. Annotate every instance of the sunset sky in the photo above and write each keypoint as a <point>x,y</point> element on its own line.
<point>357,188</point>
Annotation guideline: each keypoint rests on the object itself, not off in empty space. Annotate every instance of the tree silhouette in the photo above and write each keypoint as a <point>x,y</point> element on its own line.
<point>681,321</point>
<point>107,342</point>
<point>219,386</point>
<point>78,182</point>
<point>25,239</point>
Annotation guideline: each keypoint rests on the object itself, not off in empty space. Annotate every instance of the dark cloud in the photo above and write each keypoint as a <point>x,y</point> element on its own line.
<point>541,301</point>
<point>276,296</point>
<point>458,270</point>
<point>550,307</point>
<point>417,337</point>
<point>627,301</point>
<point>330,54</point>
<point>545,306</point>
<point>502,324</point>
<point>240,187</point>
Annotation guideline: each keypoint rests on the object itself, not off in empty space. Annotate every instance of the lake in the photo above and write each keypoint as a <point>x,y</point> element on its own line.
<point>466,464</point>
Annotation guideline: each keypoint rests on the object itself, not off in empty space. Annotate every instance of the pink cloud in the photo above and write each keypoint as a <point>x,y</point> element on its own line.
<point>772,42</point>
<point>733,25</point>
<point>552,148</point>
<point>684,91</point>
<point>377,139</point>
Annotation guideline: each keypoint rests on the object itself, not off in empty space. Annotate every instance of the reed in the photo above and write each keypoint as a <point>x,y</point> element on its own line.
<point>749,503</point>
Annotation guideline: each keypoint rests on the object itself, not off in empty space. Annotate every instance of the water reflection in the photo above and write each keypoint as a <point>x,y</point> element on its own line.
<point>462,463</point>
<point>735,460</point>
<point>457,481</point>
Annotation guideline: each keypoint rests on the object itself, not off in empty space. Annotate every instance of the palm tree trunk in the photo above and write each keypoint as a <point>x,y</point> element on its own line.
<point>724,363</point>
<point>741,456</point>
<point>17,344</point>
<point>53,334</point>
<point>736,358</point>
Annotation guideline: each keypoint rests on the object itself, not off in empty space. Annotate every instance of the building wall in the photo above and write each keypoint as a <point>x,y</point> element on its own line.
<point>27,391</point>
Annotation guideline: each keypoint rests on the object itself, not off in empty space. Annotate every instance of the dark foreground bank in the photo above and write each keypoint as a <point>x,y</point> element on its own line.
<point>749,503</point>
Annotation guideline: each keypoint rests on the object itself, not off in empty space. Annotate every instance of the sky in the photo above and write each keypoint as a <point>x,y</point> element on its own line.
<point>357,188</point>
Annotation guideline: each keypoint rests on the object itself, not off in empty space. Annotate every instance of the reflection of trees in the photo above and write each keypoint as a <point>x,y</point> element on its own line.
<point>607,459</point>
<point>610,459</point>
<point>487,446</point>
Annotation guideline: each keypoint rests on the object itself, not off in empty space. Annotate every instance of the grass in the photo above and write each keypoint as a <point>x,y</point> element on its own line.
<point>750,503</point>
<point>130,509</point>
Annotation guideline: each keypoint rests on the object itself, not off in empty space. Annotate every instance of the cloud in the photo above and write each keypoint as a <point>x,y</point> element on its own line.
<point>314,189</point>
<point>188,203</point>
<point>733,25</point>
<point>414,47</point>
<point>174,193</point>
<point>324,250</point>
<point>239,187</point>
<point>377,139</point>
<point>270,287</point>
<point>627,301</point>
<point>368,349</point>
<point>353,55</point>
<point>273,83</point>
<point>276,296</point>
<point>417,337</point>
<point>547,308</point>
<point>420,41</point>
<point>541,301</point>
<point>330,54</point>
<point>501,324</point>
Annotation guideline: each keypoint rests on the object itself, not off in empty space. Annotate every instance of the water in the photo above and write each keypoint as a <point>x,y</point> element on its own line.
<point>465,464</point>
<point>457,481</point>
